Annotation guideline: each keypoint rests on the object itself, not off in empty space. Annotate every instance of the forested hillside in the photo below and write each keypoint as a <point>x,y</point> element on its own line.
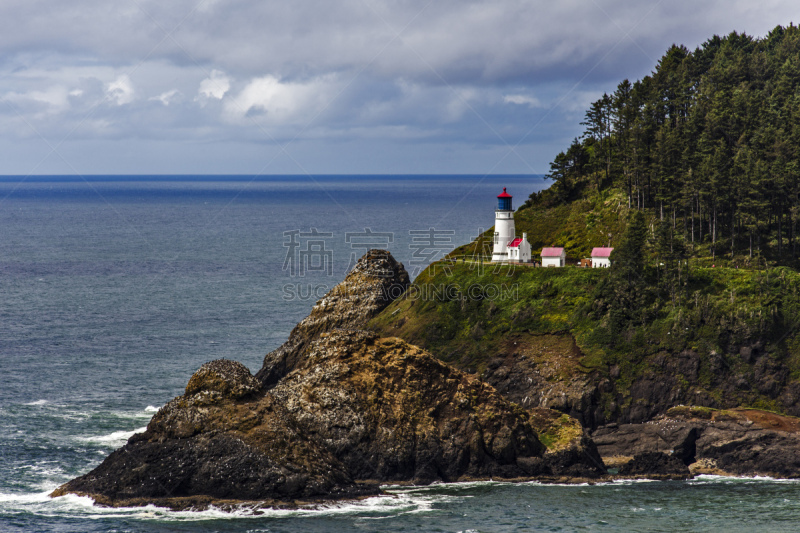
<point>708,143</point>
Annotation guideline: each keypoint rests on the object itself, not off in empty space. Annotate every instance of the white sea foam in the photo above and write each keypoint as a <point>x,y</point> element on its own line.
<point>708,478</point>
<point>151,409</point>
<point>36,497</point>
<point>465,485</point>
<point>117,438</point>
<point>38,402</point>
<point>541,484</point>
<point>631,481</point>
<point>71,505</point>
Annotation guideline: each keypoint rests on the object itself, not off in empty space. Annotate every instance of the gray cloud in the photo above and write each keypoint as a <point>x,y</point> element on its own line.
<point>352,78</point>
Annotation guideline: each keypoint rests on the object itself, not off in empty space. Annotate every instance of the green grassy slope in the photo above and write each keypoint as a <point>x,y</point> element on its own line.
<point>737,328</point>
<point>592,220</point>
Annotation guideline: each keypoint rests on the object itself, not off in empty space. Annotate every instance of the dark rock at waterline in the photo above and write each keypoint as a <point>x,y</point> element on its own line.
<point>744,442</point>
<point>210,445</point>
<point>655,465</point>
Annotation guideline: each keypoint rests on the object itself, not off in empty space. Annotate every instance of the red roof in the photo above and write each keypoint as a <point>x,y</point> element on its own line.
<point>515,243</point>
<point>602,252</point>
<point>552,252</point>
<point>504,194</point>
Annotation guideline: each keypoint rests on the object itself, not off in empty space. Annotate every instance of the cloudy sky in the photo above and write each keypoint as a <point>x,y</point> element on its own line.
<point>326,86</point>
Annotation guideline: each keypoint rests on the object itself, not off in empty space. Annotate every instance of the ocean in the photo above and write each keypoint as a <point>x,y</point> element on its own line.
<point>115,289</point>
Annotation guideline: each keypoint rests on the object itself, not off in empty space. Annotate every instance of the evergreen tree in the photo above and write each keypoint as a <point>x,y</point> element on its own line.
<point>710,143</point>
<point>628,287</point>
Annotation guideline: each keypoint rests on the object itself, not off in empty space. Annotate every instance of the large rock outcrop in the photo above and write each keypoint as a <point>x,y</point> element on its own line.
<point>655,465</point>
<point>391,412</point>
<point>735,442</point>
<point>335,411</point>
<point>357,410</point>
<point>214,444</point>
<point>374,282</point>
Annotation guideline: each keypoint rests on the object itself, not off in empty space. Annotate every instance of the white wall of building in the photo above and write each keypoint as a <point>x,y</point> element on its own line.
<point>555,261</point>
<point>601,262</point>
<point>503,234</point>
<point>552,262</point>
<point>521,253</point>
<point>525,249</point>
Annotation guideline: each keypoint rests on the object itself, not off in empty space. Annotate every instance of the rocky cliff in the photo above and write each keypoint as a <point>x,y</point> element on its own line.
<point>333,412</point>
<point>538,344</point>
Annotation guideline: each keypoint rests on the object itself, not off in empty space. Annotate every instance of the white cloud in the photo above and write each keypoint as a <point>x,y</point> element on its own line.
<point>522,99</point>
<point>282,102</point>
<point>39,104</point>
<point>55,97</point>
<point>215,86</point>
<point>168,97</point>
<point>121,90</point>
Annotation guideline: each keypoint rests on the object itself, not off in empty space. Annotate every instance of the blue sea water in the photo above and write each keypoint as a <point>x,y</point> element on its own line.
<point>114,289</point>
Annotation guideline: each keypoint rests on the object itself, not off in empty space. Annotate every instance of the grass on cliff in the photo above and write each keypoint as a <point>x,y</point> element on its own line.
<point>579,226</point>
<point>466,313</point>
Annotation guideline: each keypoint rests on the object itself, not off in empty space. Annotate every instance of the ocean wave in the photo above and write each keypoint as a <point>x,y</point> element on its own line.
<point>437,485</point>
<point>376,507</point>
<point>37,402</point>
<point>117,438</point>
<point>151,409</point>
<point>25,498</point>
<point>709,478</point>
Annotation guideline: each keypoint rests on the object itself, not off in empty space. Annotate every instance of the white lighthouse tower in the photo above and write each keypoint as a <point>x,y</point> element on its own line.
<point>503,227</point>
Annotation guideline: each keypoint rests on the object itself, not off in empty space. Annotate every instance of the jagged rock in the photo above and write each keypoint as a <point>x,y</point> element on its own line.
<point>391,412</point>
<point>665,435</point>
<point>205,447</point>
<point>736,441</point>
<point>655,465</point>
<point>375,281</point>
<point>357,410</point>
<point>229,378</point>
<point>531,371</point>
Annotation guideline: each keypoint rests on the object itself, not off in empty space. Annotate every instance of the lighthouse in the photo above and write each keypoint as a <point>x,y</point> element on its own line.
<point>503,227</point>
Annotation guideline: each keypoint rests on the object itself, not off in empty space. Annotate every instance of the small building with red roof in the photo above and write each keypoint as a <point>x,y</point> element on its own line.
<point>601,257</point>
<point>554,257</point>
<point>519,250</point>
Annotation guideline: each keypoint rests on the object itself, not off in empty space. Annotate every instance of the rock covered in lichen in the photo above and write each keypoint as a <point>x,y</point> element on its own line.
<point>391,412</point>
<point>358,410</point>
<point>206,446</point>
<point>231,379</point>
<point>374,282</point>
<point>570,450</point>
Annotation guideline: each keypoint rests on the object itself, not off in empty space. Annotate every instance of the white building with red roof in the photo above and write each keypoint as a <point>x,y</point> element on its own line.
<point>601,257</point>
<point>519,250</point>
<point>554,257</point>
